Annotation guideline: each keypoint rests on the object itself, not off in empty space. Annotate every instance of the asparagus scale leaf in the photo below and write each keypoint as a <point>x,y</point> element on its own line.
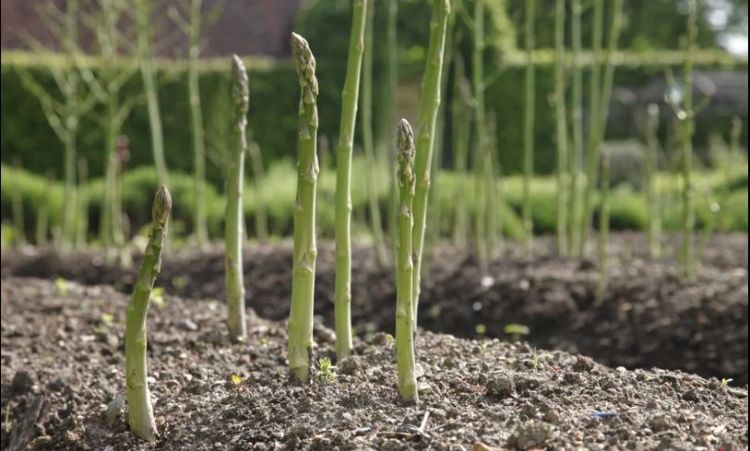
<point>140,411</point>
<point>305,248</point>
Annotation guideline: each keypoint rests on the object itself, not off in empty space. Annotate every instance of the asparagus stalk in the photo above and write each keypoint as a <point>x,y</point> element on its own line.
<point>388,111</point>
<point>575,159</point>
<point>140,412</point>
<point>233,236</point>
<point>562,131</point>
<point>594,122</point>
<point>196,118</point>
<point>350,94</point>
<point>480,163</point>
<point>602,111</point>
<point>652,193</point>
<point>686,116</point>
<point>261,217</point>
<point>405,317</point>
<point>305,250</point>
<point>367,134</point>
<point>461,128</point>
<point>144,54</point>
<point>528,136</point>
<point>429,106</point>
<point>603,228</point>
<point>82,230</point>
<point>17,211</point>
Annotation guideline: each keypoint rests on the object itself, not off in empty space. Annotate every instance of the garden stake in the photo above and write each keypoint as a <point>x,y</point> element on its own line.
<point>140,412</point>
<point>343,296</point>
<point>305,250</point>
<point>234,221</point>
<point>405,318</point>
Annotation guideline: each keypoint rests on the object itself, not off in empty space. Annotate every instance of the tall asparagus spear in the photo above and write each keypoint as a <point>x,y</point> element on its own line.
<point>528,126</point>
<point>603,228</point>
<point>594,121</point>
<point>233,231</point>
<point>688,124</point>
<point>405,318</point>
<point>429,106</point>
<point>652,193</point>
<point>562,131</point>
<point>140,412</point>
<point>577,117</point>
<point>343,181</point>
<point>305,250</point>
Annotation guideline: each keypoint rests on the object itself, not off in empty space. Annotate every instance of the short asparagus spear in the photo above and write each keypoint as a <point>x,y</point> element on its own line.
<point>343,181</point>
<point>233,236</point>
<point>405,359</point>
<point>305,250</point>
<point>428,112</point>
<point>140,412</point>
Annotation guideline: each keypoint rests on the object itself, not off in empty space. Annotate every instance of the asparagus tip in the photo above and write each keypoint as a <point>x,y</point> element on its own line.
<point>405,145</point>
<point>240,85</point>
<point>305,61</point>
<point>162,205</point>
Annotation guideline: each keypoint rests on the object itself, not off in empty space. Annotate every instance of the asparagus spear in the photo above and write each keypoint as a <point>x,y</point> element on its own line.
<point>528,134</point>
<point>688,124</point>
<point>233,236</point>
<point>305,250</point>
<point>563,179</point>
<point>343,181</point>
<point>652,144</point>
<point>405,318</point>
<point>429,106</point>
<point>603,228</point>
<point>140,412</point>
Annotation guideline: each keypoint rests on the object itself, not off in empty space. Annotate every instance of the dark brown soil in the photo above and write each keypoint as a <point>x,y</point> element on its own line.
<point>62,362</point>
<point>649,318</point>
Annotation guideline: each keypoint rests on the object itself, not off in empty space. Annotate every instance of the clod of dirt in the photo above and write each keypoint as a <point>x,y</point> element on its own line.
<point>532,434</point>
<point>500,387</point>
<point>22,381</point>
<point>349,365</point>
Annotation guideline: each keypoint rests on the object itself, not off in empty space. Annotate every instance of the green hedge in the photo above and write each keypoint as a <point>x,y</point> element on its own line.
<point>628,208</point>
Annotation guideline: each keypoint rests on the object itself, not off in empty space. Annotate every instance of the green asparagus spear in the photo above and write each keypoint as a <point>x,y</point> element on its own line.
<point>233,232</point>
<point>140,412</point>
<point>343,182</point>
<point>305,250</point>
<point>405,358</point>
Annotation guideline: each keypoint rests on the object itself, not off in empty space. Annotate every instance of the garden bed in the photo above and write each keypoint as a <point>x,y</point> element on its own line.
<point>62,363</point>
<point>650,318</point>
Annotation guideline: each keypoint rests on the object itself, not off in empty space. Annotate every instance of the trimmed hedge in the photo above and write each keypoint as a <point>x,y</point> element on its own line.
<point>628,208</point>
<point>273,111</point>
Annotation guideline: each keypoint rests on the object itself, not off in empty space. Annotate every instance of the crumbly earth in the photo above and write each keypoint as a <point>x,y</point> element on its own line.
<point>62,388</point>
<point>649,318</point>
